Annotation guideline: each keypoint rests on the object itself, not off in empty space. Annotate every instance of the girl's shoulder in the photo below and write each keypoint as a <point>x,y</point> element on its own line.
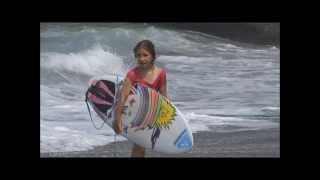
<point>161,74</point>
<point>132,70</point>
<point>132,74</point>
<point>161,70</point>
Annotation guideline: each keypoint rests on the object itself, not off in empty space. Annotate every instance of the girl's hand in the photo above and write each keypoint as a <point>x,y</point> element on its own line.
<point>117,126</point>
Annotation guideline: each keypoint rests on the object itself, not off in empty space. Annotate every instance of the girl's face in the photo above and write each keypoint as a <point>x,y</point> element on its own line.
<point>144,58</point>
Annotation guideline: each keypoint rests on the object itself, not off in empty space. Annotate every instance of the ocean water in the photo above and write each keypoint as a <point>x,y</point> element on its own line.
<point>219,85</point>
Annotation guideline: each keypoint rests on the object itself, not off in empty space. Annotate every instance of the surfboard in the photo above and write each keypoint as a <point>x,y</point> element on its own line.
<point>149,119</point>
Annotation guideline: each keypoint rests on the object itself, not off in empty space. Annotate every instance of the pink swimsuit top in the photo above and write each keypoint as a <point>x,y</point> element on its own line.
<point>134,77</point>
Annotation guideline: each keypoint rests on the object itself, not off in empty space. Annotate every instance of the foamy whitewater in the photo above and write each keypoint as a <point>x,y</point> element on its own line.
<point>219,85</point>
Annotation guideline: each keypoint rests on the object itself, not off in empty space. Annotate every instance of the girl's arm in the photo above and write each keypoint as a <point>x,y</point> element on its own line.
<point>163,89</point>
<point>120,103</point>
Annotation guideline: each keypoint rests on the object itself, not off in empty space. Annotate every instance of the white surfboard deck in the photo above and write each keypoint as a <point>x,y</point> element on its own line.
<point>150,119</point>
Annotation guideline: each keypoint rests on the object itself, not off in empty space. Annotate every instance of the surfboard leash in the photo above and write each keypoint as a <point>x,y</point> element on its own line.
<point>115,144</point>
<point>115,134</point>
<point>98,128</point>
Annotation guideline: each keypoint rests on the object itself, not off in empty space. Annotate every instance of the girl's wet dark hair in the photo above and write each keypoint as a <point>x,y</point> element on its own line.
<point>147,45</point>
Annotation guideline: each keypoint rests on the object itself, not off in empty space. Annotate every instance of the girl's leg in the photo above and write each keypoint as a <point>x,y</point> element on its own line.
<point>137,151</point>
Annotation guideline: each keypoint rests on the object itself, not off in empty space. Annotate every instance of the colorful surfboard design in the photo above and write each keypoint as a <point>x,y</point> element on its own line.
<point>149,119</point>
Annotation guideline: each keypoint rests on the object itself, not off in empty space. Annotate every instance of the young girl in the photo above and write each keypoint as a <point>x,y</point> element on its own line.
<point>146,73</point>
